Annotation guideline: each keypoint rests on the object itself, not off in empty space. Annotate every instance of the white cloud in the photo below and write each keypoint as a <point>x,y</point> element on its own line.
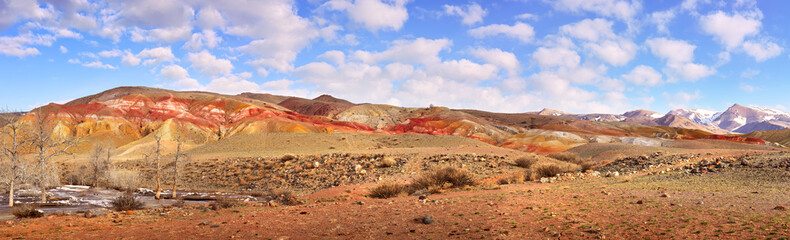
<point>18,46</point>
<point>156,13</point>
<point>111,53</point>
<point>419,50</point>
<point>207,38</point>
<point>526,16</point>
<point>762,50</point>
<point>208,64</point>
<point>98,64</point>
<point>18,10</point>
<point>231,84</point>
<point>750,73</point>
<point>616,53</point>
<point>63,49</point>
<point>130,59</point>
<point>152,56</point>
<point>521,31</point>
<point>473,13</point>
<point>644,76</point>
<point>674,51</point>
<point>463,70</point>
<point>589,29</point>
<point>661,19</point>
<point>374,14</point>
<point>685,97</point>
<point>556,57</point>
<point>620,9</point>
<point>334,56</point>
<point>209,18</point>
<point>180,76</point>
<point>690,71</point>
<point>499,58</point>
<point>730,30</point>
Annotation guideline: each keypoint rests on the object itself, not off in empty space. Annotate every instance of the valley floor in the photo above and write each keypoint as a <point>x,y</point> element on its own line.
<point>733,203</point>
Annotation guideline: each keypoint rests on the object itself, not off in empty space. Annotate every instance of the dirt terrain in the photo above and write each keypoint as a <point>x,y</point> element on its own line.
<point>735,201</point>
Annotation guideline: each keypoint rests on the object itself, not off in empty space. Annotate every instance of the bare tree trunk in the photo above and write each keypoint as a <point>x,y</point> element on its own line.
<point>42,183</point>
<point>11,193</point>
<point>157,155</point>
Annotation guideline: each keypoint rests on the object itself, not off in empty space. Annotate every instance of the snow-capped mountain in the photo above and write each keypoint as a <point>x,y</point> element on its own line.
<point>739,118</point>
<point>700,116</point>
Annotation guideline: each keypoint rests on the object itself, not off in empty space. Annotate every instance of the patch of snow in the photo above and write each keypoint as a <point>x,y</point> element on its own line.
<point>769,118</point>
<point>656,115</point>
<point>741,120</point>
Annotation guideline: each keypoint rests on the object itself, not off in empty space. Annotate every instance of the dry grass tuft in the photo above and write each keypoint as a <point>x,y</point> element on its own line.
<point>26,211</point>
<point>449,175</point>
<point>284,197</point>
<point>386,190</point>
<point>126,202</point>
<point>585,164</point>
<point>526,162</point>
<point>387,162</point>
<point>551,170</point>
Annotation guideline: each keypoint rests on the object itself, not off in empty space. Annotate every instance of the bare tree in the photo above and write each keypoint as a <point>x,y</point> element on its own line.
<point>98,164</point>
<point>179,155</point>
<point>13,141</point>
<point>47,147</point>
<point>156,154</point>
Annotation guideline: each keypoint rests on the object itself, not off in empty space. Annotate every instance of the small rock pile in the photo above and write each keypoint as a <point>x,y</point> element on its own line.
<point>643,162</point>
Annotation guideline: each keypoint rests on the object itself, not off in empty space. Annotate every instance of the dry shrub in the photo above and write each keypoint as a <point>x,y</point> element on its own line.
<point>387,162</point>
<point>449,175</point>
<point>514,178</point>
<point>126,202</point>
<point>573,158</point>
<point>26,211</point>
<point>224,202</point>
<point>124,180</point>
<point>284,197</point>
<point>386,190</point>
<point>526,162</point>
<point>550,170</point>
<point>566,157</point>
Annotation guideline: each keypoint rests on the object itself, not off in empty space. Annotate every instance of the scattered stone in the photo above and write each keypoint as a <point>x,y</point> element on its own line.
<point>425,220</point>
<point>700,202</point>
<point>303,213</point>
<point>640,202</point>
<point>664,195</point>
<point>544,180</point>
<point>204,223</point>
<point>88,214</point>
<point>214,226</point>
<point>359,203</point>
<point>422,197</point>
<point>780,208</point>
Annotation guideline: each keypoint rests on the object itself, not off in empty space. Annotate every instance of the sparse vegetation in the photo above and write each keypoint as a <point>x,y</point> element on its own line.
<point>26,211</point>
<point>386,190</point>
<point>549,170</point>
<point>126,202</point>
<point>526,162</point>
<point>387,162</point>
<point>570,157</point>
<point>123,180</point>
<point>438,179</point>
<point>223,202</point>
<point>284,196</point>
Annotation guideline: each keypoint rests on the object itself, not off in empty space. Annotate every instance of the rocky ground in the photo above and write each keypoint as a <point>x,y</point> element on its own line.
<point>739,201</point>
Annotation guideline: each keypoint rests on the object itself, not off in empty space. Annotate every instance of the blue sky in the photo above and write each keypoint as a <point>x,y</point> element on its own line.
<point>581,56</point>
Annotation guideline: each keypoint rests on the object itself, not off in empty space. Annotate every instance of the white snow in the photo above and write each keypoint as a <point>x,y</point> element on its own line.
<point>656,115</point>
<point>741,120</point>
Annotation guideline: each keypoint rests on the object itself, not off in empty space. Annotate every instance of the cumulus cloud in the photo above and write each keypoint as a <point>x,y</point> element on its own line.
<point>730,30</point>
<point>153,56</point>
<point>589,29</point>
<point>19,46</point>
<point>644,76</point>
<point>180,76</point>
<point>419,50</point>
<point>499,58</point>
<point>374,14</point>
<point>762,50</point>
<point>674,51</point>
<point>208,39</point>
<point>208,64</point>
<point>520,31</point>
<point>63,49</point>
<point>556,57</point>
<point>474,13</point>
<point>19,10</point>
<point>232,84</point>
<point>620,9</point>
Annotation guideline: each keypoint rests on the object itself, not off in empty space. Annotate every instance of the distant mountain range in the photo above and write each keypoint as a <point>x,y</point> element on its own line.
<point>736,119</point>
